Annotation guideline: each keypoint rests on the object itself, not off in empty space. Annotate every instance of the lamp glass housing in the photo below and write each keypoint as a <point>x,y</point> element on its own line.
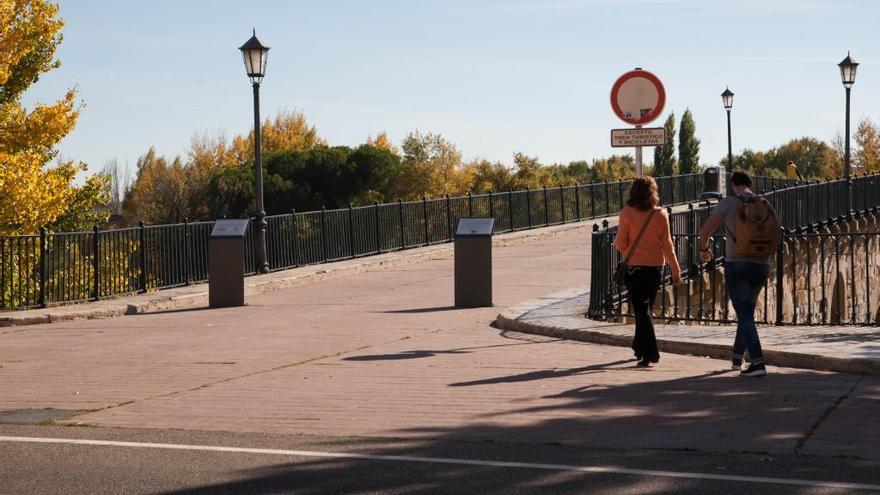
<point>848,71</point>
<point>255,55</point>
<point>727,98</point>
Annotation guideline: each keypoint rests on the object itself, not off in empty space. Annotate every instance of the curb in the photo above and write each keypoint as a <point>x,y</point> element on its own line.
<point>197,294</point>
<point>510,319</point>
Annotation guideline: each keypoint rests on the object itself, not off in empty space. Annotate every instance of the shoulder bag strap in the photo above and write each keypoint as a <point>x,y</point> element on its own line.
<point>639,237</point>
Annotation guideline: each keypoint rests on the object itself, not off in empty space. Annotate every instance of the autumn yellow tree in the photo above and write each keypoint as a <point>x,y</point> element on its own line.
<point>158,194</point>
<point>206,153</point>
<point>34,194</point>
<point>382,142</point>
<point>289,130</point>
<point>431,167</point>
<point>867,152</point>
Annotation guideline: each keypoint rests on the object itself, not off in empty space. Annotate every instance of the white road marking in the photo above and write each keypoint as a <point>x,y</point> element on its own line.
<point>449,460</point>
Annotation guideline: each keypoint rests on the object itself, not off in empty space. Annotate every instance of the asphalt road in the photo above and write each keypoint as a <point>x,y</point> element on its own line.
<point>61,468</point>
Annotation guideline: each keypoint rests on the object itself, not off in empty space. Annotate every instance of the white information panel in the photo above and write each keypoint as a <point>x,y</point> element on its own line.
<point>646,136</point>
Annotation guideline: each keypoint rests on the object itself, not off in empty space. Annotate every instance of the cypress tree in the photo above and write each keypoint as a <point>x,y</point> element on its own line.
<point>664,156</point>
<point>688,145</point>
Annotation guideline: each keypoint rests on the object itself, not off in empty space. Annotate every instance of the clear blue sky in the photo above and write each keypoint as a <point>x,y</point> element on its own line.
<point>494,77</point>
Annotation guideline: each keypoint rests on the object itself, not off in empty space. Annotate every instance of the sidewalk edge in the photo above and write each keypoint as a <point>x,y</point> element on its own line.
<point>511,319</point>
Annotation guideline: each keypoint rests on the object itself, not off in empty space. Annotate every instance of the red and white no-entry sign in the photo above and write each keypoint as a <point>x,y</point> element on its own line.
<point>638,97</point>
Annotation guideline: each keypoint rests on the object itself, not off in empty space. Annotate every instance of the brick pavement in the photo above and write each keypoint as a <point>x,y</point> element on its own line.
<point>382,354</point>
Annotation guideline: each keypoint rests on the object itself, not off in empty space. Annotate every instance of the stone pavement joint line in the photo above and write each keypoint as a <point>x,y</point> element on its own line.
<point>246,375</point>
<point>455,461</point>
<point>850,349</point>
<point>799,446</point>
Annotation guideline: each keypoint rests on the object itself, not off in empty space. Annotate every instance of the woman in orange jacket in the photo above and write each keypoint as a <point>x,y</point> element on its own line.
<point>646,260</point>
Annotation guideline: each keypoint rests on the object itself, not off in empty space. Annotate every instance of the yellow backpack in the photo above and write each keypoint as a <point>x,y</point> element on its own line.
<point>757,228</point>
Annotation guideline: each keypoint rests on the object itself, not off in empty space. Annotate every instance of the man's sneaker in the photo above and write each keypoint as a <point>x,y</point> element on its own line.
<point>754,370</point>
<point>736,363</point>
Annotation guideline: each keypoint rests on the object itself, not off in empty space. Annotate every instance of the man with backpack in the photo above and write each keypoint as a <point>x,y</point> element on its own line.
<point>751,238</point>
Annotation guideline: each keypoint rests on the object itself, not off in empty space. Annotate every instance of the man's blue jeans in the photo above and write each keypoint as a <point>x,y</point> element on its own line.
<point>744,282</point>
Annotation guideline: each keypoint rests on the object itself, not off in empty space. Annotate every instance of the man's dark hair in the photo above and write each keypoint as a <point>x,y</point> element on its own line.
<point>741,179</point>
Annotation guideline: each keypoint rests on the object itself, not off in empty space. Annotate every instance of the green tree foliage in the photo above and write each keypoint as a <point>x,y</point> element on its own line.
<point>815,159</point>
<point>688,145</point>
<point>213,183</point>
<point>307,180</point>
<point>213,179</point>
<point>530,174</point>
<point>664,156</point>
<point>88,206</point>
<point>485,176</point>
<point>580,171</point>
<point>615,167</point>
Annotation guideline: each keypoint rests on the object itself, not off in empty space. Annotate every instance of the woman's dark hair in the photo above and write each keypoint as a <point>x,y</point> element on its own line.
<point>740,178</point>
<point>643,194</point>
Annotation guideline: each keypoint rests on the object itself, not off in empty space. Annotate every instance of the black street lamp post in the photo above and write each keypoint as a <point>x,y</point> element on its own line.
<point>255,55</point>
<point>727,99</point>
<point>848,77</point>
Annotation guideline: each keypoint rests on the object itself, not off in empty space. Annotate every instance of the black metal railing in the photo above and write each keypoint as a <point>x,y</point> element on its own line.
<point>67,267</point>
<point>824,276</point>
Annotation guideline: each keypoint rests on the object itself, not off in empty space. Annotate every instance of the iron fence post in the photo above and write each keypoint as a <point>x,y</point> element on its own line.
<point>400,215</point>
<point>43,268</point>
<point>510,207</point>
<point>780,276</point>
<point>470,205</point>
<point>425,216</point>
<point>378,227</point>
<point>607,200</point>
<point>562,204</point>
<point>529,207</point>
<point>592,200</point>
<point>577,201</point>
<point>546,208</point>
<point>692,219</point>
<point>96,265</point>
<point>491,206</point>
<point>448,218</point>
<point>142,255</point>
<point>350,231</point>
<point>294,237</point>
<point>324,233</point>
<point>186,263</point>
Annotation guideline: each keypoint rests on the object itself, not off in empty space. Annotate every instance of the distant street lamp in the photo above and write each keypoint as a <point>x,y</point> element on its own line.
<point>255,55</point>
<point>727,99</point>
<point>848,77</point>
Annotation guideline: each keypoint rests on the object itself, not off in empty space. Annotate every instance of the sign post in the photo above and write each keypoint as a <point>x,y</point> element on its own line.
<point>637,98</point>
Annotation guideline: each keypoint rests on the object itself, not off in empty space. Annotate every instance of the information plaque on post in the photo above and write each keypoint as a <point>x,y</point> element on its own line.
<point>226,263</point>
<point>473,262</point>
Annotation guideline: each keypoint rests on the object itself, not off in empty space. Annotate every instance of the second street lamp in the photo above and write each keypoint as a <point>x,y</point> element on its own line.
<point>255,55</point>
<point>848,78</point>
